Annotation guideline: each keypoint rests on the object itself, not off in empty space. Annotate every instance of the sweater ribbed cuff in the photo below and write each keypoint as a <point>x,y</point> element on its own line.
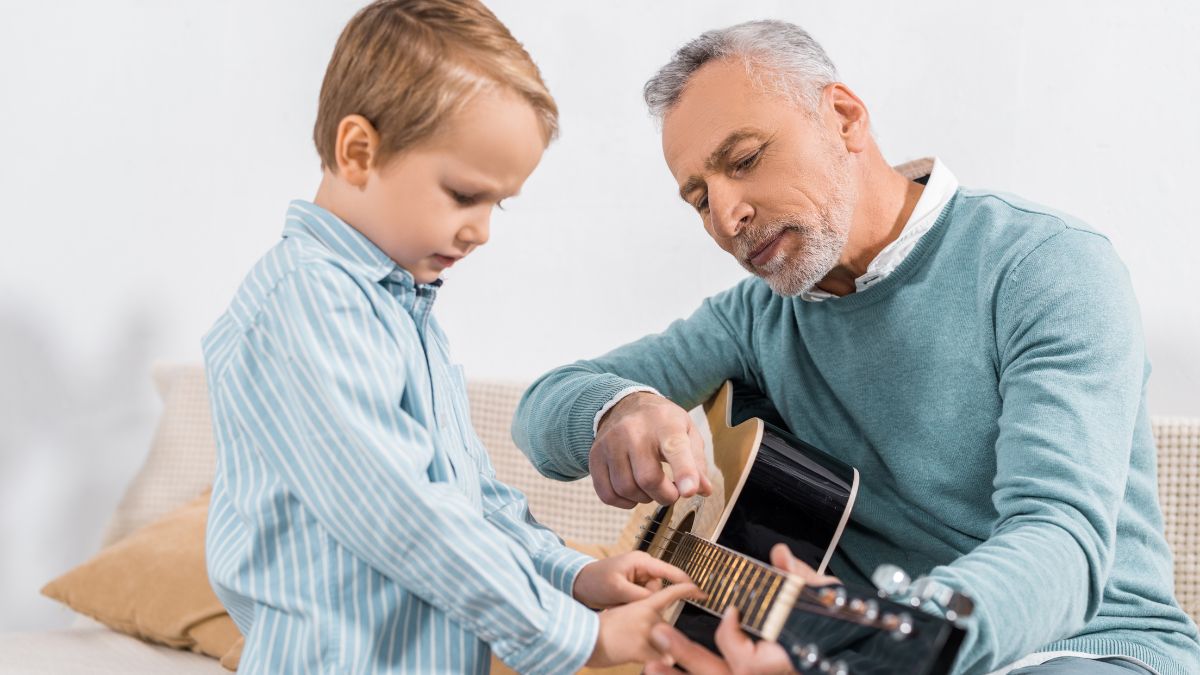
<point>1161,663</point>
<point>579,432</point>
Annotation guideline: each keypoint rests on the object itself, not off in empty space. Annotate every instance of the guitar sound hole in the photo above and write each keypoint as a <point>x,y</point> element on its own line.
<point>674,537</point>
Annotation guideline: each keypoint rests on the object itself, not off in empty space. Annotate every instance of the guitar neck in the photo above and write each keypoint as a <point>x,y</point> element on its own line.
<point>763,595</point>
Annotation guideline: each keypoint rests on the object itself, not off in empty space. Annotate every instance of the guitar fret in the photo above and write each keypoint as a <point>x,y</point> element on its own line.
<point>730,577</point>
<point>768,600</point>
<point>753,593</point>
<point>726,577</point>
<point>737,589</point>
<point>707,578</point>
<point>764,599</point>
<point>682,554</point>
<point>708,581</point>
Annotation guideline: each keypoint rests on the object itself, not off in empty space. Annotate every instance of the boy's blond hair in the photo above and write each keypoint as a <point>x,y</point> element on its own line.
<point>407,65</point>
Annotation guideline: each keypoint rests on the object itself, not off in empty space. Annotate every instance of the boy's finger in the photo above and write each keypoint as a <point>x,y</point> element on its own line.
<point>671,594</point>
<point>661,668</point>
<point>660,569</point>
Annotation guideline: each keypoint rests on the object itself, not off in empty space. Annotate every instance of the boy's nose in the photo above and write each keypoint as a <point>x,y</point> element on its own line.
<point>476,232</point>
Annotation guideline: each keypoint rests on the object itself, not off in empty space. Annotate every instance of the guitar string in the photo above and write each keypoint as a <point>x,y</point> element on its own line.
<point>726,581</point>
<point>751,599</point>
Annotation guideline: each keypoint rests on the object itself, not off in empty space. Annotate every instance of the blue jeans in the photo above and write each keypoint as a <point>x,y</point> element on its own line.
<point>1073,665</point>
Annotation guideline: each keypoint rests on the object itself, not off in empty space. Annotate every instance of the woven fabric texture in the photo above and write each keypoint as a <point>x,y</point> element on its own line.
<point>571,509</point>
<point>182,457</point>
<point>1178,441</point>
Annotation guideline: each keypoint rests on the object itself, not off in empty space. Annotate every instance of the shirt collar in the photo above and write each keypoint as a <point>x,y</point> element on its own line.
<point>306,219</point>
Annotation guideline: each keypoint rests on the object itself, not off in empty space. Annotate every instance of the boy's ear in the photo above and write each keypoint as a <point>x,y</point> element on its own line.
<point>356,149</point>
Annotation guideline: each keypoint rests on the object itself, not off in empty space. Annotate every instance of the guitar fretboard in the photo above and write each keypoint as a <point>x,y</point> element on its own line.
<point>730,578</point>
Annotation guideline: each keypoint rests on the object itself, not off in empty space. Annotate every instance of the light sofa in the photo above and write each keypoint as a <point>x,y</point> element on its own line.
<point>180,465</point>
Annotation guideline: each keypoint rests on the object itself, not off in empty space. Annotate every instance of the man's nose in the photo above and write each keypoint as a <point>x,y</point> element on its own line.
<point>728,210</point>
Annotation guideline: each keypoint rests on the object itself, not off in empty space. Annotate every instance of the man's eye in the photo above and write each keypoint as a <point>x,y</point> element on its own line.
<point>702,204</point>
<point>747,162</point>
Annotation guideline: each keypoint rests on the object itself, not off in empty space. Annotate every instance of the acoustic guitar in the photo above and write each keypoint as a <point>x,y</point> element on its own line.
<point>772,487</point>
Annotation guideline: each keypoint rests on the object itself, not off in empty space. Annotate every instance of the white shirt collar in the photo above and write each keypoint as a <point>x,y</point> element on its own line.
<point>937,193</point>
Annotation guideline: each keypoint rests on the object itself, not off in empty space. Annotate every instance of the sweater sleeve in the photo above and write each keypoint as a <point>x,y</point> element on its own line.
<point>686,363</point>
<point>1072,368</point>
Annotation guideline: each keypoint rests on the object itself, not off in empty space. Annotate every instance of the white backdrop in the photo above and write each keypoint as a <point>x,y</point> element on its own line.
<point>150,149</point>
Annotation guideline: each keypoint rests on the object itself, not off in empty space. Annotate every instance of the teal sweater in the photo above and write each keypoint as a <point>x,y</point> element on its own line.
<point>991,392</point>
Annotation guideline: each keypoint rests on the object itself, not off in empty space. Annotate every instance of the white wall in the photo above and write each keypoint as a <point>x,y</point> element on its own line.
<point>150,149</point>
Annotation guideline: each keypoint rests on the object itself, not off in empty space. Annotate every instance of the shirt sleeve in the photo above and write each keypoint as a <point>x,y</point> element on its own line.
<point>319,392</point>
<point>555,421</point>
<point>1072,368</point>
<point>506,508</point>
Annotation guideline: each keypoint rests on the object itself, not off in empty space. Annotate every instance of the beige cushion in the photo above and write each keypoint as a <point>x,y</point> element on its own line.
<point>571,509</point>
<point>153,585</point>
<point>1178,441</point>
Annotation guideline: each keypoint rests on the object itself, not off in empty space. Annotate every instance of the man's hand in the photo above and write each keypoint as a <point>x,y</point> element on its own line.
<point>624,633</point>
<point>634,438</point>
<point>624,578</point>
<point>742,656</point>
<point>739,654</point>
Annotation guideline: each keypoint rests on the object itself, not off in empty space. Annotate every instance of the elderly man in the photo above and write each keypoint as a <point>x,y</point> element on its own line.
<point>979,358</point>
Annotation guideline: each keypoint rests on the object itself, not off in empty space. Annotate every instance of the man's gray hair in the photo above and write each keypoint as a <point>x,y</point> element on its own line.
<point>780,57</point>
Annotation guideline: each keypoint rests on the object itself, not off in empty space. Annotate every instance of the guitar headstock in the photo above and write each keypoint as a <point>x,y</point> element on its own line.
<point>843,630</point>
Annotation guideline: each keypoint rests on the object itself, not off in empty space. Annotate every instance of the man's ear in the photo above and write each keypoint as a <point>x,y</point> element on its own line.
<point>851,116</point>
<point>356,148</point>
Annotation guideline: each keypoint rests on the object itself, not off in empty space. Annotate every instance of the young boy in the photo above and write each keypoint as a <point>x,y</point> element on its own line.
<point>356,521</point>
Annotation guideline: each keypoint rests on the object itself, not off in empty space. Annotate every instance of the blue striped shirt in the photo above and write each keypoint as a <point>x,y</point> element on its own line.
<point>357,525</point>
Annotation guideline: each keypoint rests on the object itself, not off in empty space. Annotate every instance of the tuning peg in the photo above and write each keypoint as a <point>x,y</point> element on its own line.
<point>891,580</point>
<point>954,604</point>
<point>838,667</point>
<point>904,627</point>
<point>899,626</point>
<point>808,655</point>
<point>832,596</point>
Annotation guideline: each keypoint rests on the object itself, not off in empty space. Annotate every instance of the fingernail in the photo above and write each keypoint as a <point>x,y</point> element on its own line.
<point>686,485</point>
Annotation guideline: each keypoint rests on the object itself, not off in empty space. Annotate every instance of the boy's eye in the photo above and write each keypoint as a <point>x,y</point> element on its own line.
<point>462,199</point>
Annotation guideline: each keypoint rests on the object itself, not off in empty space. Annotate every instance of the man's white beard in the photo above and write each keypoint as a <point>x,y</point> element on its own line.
<point>822,239</point>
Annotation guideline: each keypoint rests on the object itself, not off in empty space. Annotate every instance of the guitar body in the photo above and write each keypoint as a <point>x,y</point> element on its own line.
<point>771,488</point>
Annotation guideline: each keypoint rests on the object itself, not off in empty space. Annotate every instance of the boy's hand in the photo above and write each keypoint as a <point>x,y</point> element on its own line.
<point>623,578</point>
<point>624,634</point>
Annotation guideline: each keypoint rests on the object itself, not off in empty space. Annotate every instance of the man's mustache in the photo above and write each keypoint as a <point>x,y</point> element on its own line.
<point>750,242</point>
